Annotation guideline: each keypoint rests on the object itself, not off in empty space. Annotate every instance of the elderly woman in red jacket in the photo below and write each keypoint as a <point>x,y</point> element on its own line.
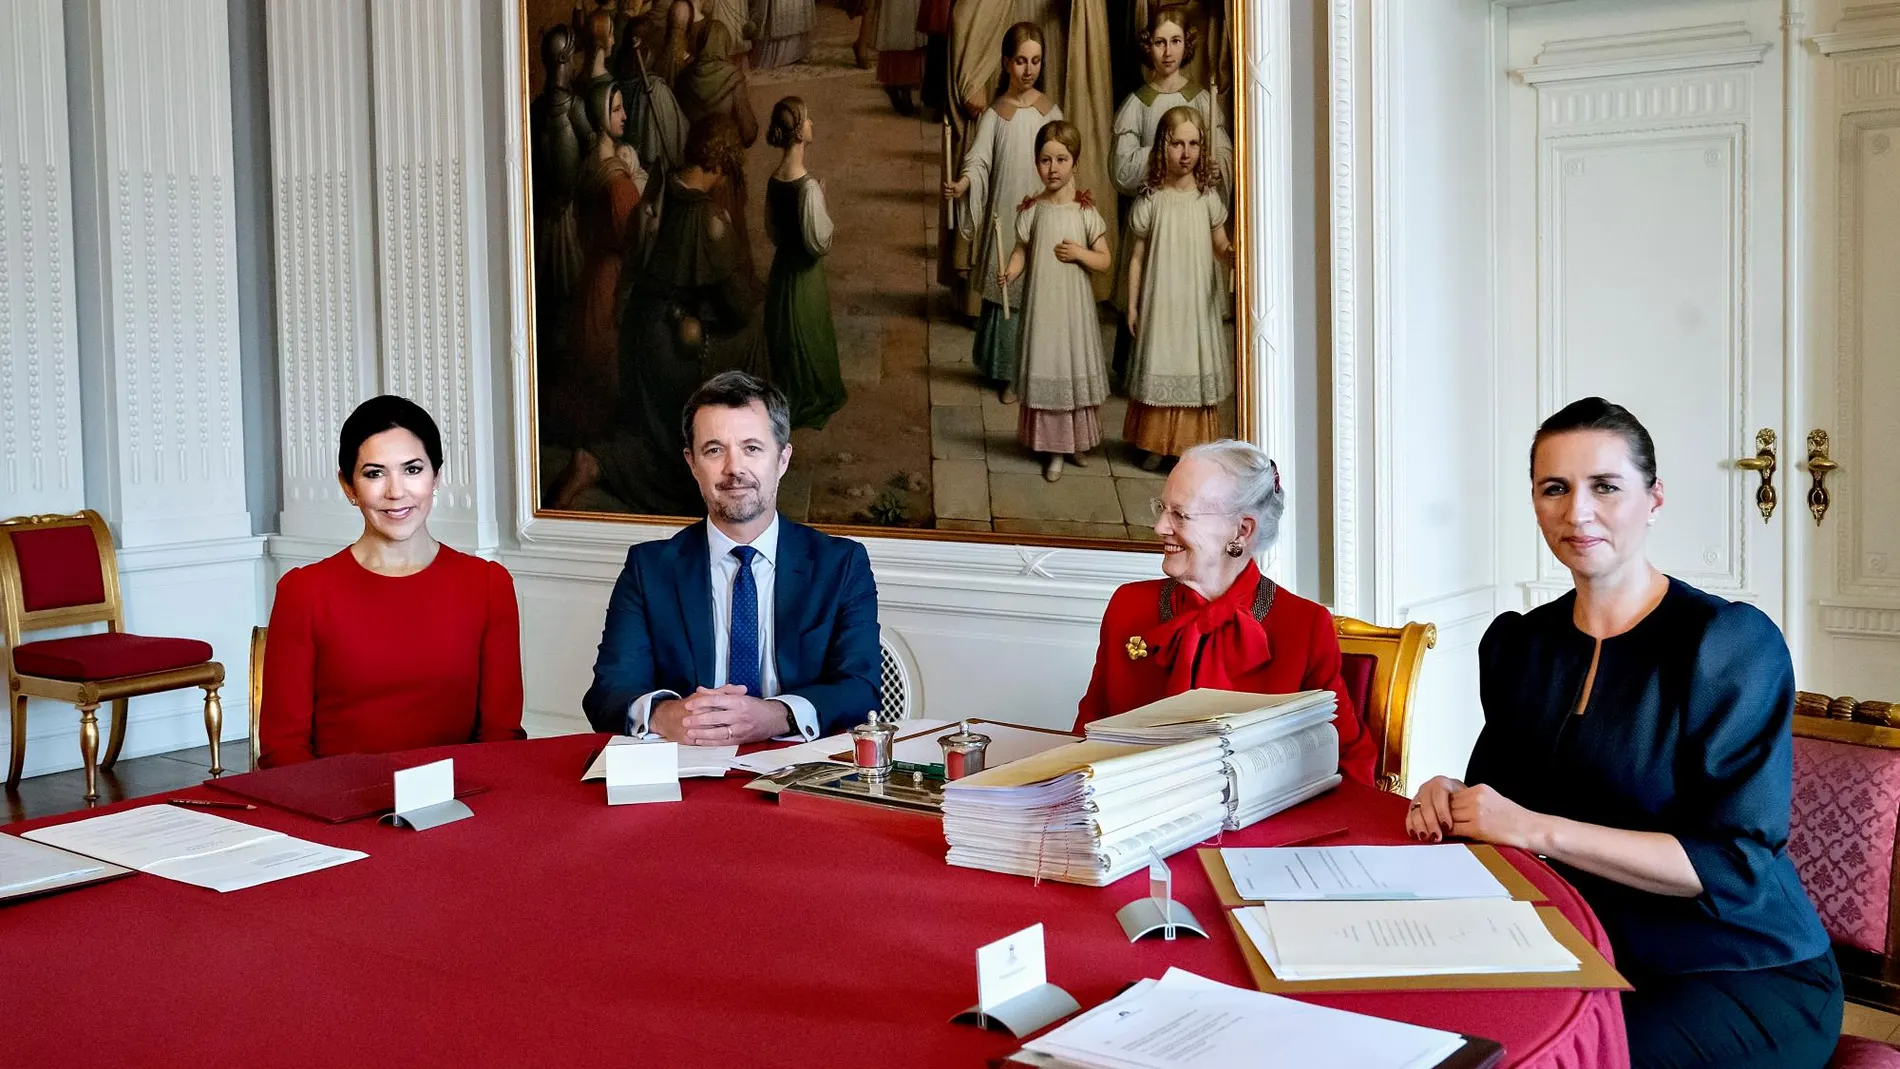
<point>1215,621</point>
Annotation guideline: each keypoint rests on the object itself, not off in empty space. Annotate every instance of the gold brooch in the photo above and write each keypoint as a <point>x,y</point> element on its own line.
<point>1137,648</point>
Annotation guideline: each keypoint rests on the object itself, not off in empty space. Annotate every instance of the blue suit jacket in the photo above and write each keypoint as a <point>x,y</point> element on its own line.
<point>660,620</point>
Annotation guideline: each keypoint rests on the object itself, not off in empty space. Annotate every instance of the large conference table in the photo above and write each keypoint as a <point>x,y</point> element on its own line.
<point>552,929</point>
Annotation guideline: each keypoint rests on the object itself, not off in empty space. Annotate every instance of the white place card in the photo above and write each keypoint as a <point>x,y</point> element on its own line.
<point>1013,989</point>
<point>643,772</point>
<point>1010,967</point>
<point>425,796</point>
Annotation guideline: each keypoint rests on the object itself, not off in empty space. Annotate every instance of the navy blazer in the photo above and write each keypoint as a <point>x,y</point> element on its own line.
<point>659,626</point>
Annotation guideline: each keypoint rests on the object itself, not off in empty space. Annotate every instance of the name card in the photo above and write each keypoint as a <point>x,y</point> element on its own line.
<point>1010,967</point>
<point>642,772</point>
<point>425,797</point>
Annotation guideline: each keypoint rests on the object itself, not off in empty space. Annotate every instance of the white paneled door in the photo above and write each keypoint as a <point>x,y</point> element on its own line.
<point>1646,155</point>
<point>1666,255</point>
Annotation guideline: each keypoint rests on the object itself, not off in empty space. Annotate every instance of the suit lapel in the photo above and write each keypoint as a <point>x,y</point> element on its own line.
<point>695,593</point>
<point>793,578</point>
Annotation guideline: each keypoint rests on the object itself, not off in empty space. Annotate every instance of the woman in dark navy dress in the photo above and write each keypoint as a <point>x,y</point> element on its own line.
<point>1637,734</point>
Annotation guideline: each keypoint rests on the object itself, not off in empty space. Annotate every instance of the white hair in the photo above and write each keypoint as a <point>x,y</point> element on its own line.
<point>1256,478</point>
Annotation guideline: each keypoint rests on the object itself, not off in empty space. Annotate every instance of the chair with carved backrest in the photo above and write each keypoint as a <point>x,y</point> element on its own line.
<point>61,571</point>
<point>1380,665</point>
<point>1843,828</point>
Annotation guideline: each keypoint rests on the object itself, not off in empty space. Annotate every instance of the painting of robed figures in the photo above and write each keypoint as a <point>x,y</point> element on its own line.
<point>986,249</point>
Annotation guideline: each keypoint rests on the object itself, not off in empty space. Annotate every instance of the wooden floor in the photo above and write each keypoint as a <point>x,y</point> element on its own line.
<point>65,792</point>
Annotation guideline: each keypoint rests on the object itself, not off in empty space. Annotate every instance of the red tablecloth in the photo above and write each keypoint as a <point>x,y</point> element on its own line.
<point>551,929</point>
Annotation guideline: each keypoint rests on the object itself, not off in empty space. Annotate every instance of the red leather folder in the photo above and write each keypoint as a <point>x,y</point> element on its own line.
<point>335,790</point>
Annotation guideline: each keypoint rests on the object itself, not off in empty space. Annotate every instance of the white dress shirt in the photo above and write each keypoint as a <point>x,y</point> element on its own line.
<point>724,569</point>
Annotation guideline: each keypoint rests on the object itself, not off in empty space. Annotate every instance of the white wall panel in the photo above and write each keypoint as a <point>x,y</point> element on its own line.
<point>433,144</point>
<point>41,469</point>
<point>325,244</point>
<point>164,425</point>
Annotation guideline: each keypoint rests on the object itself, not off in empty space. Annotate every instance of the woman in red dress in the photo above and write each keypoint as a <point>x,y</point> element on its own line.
<point>397,642</point>
<point>1215,621</point>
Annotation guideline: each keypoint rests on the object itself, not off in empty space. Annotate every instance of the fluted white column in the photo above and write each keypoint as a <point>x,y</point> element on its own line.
<point>41,469</point>
<point>433,243</point>
<point>324,210</point>
<point>157,282</point>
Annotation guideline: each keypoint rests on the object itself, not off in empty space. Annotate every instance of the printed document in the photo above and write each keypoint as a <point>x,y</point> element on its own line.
<point>1184,1021</point>
<point>1349,940</point>
<point>694,760</point>
<point>194,848</point>
<point>26,864</point>
<point>1300,873</point>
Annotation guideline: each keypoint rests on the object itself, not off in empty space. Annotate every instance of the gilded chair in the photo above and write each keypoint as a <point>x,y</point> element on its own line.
<point>258,635</point>
<point>1844,824</point>
<point>61,571</point>
<point>1380,665</point>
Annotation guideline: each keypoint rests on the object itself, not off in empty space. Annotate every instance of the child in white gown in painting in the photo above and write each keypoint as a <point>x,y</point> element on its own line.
<point>998,173</point>
<point>1060,238</point>
<point>1180,369</point>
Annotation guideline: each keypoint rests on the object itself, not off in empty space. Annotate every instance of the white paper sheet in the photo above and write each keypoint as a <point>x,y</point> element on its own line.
<point>138,838</point>
<point>1184,1021</point>
<point>274,858</point>
<point>1303,873</point>
<point>194,848</point>
<point>694,760</point>
<point>1349,940</point>
<point>25,864</point>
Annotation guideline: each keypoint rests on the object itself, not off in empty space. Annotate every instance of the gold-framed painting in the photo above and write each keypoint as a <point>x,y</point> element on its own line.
<point>990,250</point>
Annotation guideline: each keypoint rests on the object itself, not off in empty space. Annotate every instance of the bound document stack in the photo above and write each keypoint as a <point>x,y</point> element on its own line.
<point>1280,749</point>
<point>1087,812</point>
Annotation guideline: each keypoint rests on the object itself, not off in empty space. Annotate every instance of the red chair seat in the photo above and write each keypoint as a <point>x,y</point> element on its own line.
<point>87,658</point>
<point>1853,1052</point>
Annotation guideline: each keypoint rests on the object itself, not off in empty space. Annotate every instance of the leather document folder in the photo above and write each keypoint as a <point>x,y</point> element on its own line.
<point>335,790</point>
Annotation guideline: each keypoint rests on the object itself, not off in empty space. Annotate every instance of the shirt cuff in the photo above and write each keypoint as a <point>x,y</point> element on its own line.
<point>804,717</point>
<point>639,713</point>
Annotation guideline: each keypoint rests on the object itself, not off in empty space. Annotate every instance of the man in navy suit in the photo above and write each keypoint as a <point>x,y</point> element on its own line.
<point>742,627</point>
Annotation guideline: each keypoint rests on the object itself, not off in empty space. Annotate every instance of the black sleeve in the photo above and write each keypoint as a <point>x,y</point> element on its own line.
<point>1500,657</point>
<point>1735,768</point>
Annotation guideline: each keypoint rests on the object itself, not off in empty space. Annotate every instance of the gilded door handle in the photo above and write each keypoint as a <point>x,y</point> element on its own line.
<point>1764,462</point>
<point>1818,465</point>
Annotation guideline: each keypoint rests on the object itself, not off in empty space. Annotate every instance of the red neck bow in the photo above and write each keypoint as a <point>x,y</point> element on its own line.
<point>1211,643</point>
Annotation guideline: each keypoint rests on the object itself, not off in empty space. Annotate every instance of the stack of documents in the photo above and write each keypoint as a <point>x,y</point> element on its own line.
<point>1336,940</point>
<point>1183,1021</point>
<point>194,848</point>
<point>1086,812</point>
<point>1281,749</point>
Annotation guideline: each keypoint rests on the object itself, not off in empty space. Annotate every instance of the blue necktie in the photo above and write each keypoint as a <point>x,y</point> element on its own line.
<point>742,661</point>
